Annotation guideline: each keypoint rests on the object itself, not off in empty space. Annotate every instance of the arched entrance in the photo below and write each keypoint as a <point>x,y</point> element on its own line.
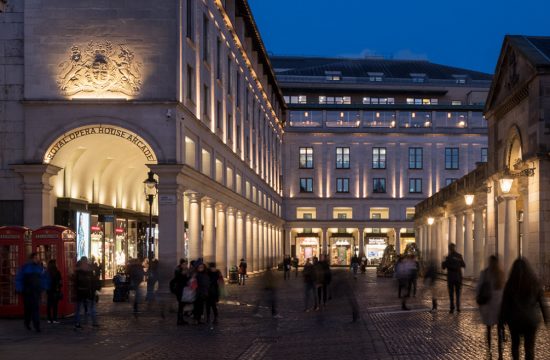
<point>98,191</point>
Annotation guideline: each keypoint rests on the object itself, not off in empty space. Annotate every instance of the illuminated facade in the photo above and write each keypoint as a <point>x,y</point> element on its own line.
<point>509,214</point>
<point>366,140</point>
<point>102,95</point>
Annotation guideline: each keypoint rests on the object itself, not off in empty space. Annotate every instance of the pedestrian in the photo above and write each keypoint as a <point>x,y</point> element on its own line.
<point>454,264</point>
<point>295,265</point>
<point>320,285</point>
<point>177,284</point>
<point>136,273</point>
<point>30,281</point>
<point>489,298</point>
<point>54,293</point>
<point>354,265</point>
<point>522,307</point>
<point>268,294</point>
<point>286,266</point>
<point>404,271</point>
<point>152,280</point>
<point>85,284</point>
<point>308,274</point>
<point>214,291</point>
<point>242,271</point>
<point>203,285</point>
<point>429,280</point>
<point>415,269</point>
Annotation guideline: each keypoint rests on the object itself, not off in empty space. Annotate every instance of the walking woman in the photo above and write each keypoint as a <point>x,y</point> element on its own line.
<point>489,297</point>
<point>54,292</point>
<point>522,307</point>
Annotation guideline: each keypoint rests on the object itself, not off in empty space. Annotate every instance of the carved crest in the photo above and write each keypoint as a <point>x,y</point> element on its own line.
<point>100,68</point>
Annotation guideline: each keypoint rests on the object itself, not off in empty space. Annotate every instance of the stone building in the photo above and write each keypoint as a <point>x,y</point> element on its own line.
<point>96,94</point>
<point>512,203</point>
<point>366,140</point>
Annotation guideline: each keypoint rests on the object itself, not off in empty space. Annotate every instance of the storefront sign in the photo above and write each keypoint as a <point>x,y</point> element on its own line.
<point>100,130</point>
<point>167,199</point>
<point>377,241</point>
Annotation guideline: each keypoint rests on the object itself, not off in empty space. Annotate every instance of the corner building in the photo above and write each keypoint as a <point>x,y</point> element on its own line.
<point>105,92</point>
<point>366,140</point>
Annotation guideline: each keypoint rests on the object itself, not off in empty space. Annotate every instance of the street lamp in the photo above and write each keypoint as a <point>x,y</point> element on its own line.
<point>469,199</point>
<point>150,187</point>
<point>506,183</point>
<point>431,220</point>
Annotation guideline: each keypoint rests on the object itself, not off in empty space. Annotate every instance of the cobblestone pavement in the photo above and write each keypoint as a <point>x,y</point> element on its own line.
<point>383,332</point>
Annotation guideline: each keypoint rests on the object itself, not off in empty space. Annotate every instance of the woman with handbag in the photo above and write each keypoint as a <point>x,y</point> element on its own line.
<point>54,292</point>
<point>489,298</point>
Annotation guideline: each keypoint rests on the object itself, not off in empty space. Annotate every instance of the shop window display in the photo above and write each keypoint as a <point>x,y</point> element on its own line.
<point>340,249</point>
<point>309,248</point>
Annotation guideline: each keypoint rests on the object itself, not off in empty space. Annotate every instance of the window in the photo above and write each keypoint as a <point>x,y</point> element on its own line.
<point>338,100</point>
<point>333,75</point>
<point>375,76</point>
<point>415,185</point>
<point>190,83</point>
<point>451,158</point>
<point>449,181</point>
<point>342,185</point>
<point>306,185</point>
<point>483,154</point>
<point>342,158</point>
<point>415,158</point>
<point>378,158</point>
<point>306,158</point>
<point>409,213</point>
<point>189,19</point>
<point>299,99</point>
<point>456,102</point>
<point>379,185</point>
<point>205,38</point>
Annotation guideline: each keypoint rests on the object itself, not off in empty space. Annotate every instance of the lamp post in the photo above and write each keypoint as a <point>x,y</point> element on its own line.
<point>150,187</point>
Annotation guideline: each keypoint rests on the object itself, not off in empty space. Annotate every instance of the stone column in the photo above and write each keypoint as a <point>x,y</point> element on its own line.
<point>397,240</point>
<point>452,230</point>
<point>241,241</point>
<point>255,255</point>
<point>288,241</point>
<point>195,240</point>
<point>231,239</point>
<point>326,241</point>
<point>248,255</point>
<point>510,232</point>
<point>209,244</point>
<point>272,258</point>
<point>38,205</point>
<point>468,243</point>
<point>479,243</point>
<point>460,233</point>
<point>221,239</point>
<point>362,242</point>
<point>261,246</point>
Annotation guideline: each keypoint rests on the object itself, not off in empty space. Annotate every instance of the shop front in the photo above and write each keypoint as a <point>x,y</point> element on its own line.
<point>374,248</point>
<point>341,250</point>
<point>308,248</point>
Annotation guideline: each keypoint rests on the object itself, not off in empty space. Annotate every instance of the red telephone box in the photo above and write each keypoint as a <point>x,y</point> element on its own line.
<point>14,248</point>
<point>58,242</point>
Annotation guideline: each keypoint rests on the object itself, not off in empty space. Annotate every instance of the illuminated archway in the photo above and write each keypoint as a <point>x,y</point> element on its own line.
<point>513,151</point>
<point>102,164</point>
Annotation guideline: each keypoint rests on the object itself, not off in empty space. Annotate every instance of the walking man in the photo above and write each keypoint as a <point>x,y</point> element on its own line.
<point>454,264</point>
<point>286,267</point>
<point>30,281</point>
<point>86,283</point>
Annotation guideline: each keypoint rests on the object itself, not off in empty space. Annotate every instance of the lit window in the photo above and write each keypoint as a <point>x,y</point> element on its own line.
<point>456,102</point>
<point>302,99</point>
<point>378,158</point>
<point>391,101</point>
<point>425,101</point>
<point>347,100</point>
<point>434,101</point>
<point>342,157</point>
<point>366,100</point>
<point>322,99</point>
<point>306,158</point>
<point>410,101</point>
<point>333,75</point>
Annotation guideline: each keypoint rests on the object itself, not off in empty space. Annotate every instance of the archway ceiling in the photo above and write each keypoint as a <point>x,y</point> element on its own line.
<point>102,169</point>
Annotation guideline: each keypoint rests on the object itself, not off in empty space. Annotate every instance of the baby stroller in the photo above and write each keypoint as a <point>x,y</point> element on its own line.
<point>121,293</point>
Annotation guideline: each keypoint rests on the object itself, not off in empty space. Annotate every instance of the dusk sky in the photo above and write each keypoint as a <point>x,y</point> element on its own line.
<point>465,33</point>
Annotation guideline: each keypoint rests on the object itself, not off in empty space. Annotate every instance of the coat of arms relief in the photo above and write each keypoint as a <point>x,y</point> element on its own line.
<point>100,68</point>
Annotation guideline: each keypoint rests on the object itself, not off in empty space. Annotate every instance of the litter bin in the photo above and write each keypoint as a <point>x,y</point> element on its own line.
<point>121,293</point>
<point>233,275</point>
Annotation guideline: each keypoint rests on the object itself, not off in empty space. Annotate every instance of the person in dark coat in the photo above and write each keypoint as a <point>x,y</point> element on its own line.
<point>86,283</point>
<point>181,278</point>
<point>203,285</point>
<point>286,266</point>
<point>522,307</point>
<point>309,285</point>
<point>242,271</point>
<point>454,264</point>
<point>216,279</point>
<point>54,291</point>
<point>152,279</point>
<point>136,272</point>
<point>30,281</point>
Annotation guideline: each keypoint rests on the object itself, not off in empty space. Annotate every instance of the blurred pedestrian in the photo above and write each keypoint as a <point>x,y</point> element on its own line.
<point>308,274</point>
<point>214,291</point>
<point>203,285</point>
<point>242,271</point>
<point>415,269</point>
<point>489,298</point>
<point>295,266</point>
<point>86,283</point>
<point>30,281</point>
<point>286,266</point>
<point>54,292</point>
<point>454,264</point>
<point>268,294</point>
<point>429,279</point>
<point>152,280</point>
<point>354,265</point>
<point>177,284</point>
<point>136,273</point>
<point>522,307</point>
<point>404,271</point>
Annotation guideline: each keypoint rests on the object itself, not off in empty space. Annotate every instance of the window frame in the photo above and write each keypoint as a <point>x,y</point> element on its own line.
<point>376,164</point>
<point>450,158</point>
<point>307,156</point>
<point>415,189</point>
<point>414,162</point>
<point>342,185</point>
<point>375,188</point>
<point>341,162</point>
<point>306,185</point>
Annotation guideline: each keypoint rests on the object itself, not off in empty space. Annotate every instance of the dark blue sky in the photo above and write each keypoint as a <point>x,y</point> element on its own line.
<point>462,33</point>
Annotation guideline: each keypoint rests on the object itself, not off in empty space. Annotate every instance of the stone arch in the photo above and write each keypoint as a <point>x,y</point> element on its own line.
<point>513,151</point>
